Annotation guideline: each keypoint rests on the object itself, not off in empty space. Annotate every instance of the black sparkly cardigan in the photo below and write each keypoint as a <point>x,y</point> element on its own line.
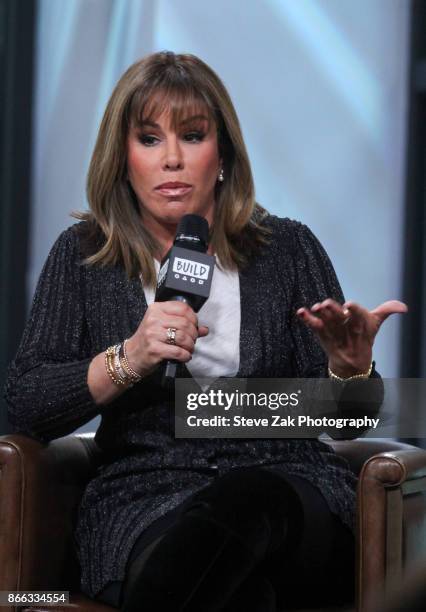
<point>78,311</point>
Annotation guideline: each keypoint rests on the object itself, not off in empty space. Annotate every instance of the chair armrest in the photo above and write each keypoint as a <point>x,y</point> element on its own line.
<point>396,467</point>
<point>40,489</point>
<point>391,522</point>
<point>360,450</point>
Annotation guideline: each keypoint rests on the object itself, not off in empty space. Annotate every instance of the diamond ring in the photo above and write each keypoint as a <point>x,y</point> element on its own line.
<point>171,335</point>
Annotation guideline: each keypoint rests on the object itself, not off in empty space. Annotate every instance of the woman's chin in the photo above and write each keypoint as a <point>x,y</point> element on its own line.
<point>174,211</point>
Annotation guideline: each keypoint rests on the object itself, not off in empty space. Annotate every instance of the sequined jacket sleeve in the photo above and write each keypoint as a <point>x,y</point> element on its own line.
<point>46,388</point>
<point>314,281</point>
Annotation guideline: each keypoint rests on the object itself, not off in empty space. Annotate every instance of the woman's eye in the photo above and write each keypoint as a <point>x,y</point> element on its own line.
<point>148,140</point>
<point>194,137</point>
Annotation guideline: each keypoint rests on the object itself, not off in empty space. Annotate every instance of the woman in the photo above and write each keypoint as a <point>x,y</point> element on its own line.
<point>194,525</point>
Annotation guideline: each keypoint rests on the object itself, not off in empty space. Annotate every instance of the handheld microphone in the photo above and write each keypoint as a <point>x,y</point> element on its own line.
<point>186,271</point>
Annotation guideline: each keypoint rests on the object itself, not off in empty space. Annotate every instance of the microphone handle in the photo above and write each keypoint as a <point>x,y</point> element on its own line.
<point>170,370</point>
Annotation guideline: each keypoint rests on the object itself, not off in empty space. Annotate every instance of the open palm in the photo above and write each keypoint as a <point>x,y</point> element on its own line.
<point>347,332</point>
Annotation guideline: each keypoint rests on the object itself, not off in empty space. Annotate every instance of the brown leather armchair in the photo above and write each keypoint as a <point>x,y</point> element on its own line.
<point>41,485</point>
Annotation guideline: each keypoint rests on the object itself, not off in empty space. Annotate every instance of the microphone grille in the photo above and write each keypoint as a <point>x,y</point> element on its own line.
<point>193,233</point>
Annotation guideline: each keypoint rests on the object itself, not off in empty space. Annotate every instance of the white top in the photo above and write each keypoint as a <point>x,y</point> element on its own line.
<point>218,353</point>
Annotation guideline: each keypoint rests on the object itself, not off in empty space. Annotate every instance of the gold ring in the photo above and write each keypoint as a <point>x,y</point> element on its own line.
<point>348,316</point>
<point>171,335</point>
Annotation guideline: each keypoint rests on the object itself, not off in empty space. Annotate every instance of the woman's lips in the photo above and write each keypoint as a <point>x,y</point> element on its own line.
<point>174,191</point>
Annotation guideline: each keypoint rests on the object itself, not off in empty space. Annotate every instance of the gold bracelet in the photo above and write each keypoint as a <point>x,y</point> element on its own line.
<point>355,376</point>
<point>133,375</point>
<point>109,366</point>
<point>121,373</point>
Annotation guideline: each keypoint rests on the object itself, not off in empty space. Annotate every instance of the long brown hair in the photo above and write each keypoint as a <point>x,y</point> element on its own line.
<point>177,84</point>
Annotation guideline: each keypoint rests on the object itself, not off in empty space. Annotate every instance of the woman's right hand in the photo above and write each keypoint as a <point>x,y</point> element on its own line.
<point>148,346</point>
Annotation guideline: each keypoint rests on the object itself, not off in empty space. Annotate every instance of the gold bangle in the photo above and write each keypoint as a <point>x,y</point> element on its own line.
<point>133,375</point>
<point>355,376</point>
<point>109,366</point>
<point>121,373</point>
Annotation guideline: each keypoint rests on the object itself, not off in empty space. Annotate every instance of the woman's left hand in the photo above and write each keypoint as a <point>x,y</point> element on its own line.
<point>347,332</point>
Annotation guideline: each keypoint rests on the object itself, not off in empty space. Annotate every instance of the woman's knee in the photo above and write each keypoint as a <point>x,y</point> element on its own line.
<point>253,502</point>
<point>247,490</point>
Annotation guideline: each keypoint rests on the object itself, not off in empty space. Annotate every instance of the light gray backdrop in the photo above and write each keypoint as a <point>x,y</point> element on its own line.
<point>320,88</point>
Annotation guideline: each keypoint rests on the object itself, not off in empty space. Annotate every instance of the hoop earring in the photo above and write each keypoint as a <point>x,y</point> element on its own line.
<point>221,176</point>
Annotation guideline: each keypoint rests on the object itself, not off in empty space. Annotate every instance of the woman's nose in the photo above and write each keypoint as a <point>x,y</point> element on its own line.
<point>173,159</point>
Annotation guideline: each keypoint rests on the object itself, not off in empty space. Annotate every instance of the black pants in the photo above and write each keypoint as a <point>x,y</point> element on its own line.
<point>255,540</point>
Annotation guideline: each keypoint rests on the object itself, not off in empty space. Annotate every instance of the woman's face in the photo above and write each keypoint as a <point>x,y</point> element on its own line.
<point>173,173</point>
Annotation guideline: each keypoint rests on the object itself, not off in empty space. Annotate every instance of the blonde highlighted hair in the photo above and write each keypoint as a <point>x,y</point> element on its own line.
<point>178,84</point>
